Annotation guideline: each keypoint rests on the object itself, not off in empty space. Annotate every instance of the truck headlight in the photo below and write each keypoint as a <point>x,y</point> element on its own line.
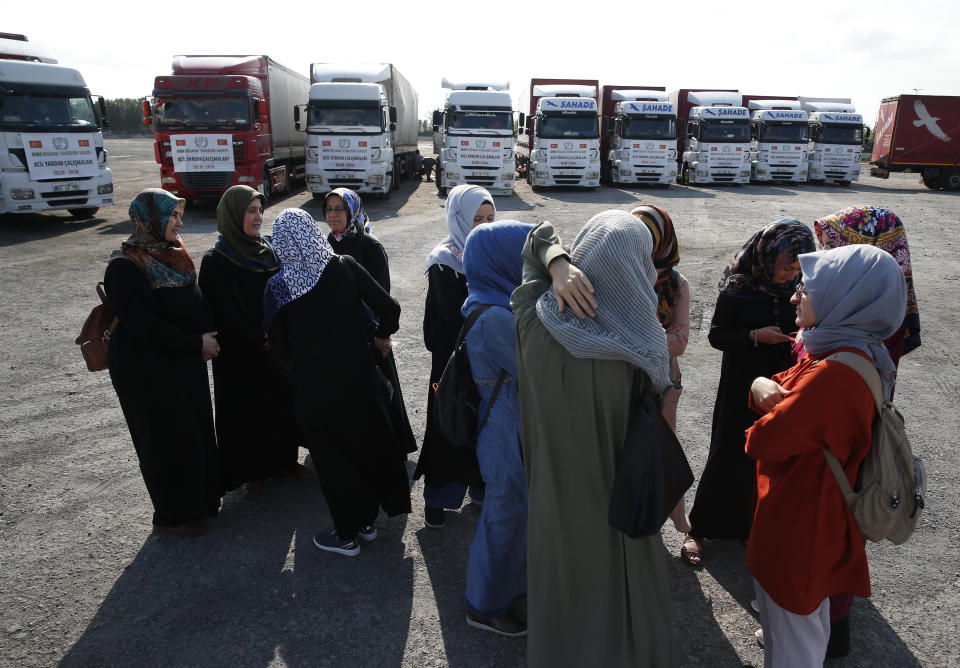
<point>314,178</point>
<point>105,188</point>
<point>453,176</point>
<point>703,172</point>
<point>542,175</point>
<point>623,172</point>
<point>246,179</point>
<point>507,176</point>
<point>593,175</point>
<point>168,179</point>
<point>745,173</point>
<point>375,179</point>
<point>22,193</point>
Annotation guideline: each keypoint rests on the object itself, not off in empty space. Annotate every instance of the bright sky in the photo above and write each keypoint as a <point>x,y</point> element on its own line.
<point>862,50</point>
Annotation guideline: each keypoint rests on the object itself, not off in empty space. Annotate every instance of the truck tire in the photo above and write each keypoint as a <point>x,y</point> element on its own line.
<point>950,179</point>
<point>441,190</point>
<point>931,183</point>
<point>843,184</point>
<point>83,214</point>
<point>265,184</point>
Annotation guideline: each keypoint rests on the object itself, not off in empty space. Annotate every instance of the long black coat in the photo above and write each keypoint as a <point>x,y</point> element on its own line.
<point>161,381</point>
<point>723,506</point>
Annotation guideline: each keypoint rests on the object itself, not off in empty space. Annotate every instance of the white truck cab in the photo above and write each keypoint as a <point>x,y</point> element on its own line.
<point>565,149</point>
<point>643,138</point>
<point>836,141</point>
<point>51,141</point>
<point>717,148</point>
<point>474,137</point>
<point>778,146</point>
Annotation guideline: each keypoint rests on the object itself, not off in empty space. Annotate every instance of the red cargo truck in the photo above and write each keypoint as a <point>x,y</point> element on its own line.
<point>221,121</point>
<point>919,133</point>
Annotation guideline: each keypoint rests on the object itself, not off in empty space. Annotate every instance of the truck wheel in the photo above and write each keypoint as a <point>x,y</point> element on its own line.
<point>931,183</point>
<point>439,177</point>
<point>317,195</point>
<point>684,175</point>
<point>951,179</point>
<point>84,213</point>
<point>843,184</point>
<point>265,184</point>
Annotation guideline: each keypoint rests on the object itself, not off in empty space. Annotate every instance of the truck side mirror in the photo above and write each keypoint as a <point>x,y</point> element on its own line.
<point>393,126</point>
<point>262,111</point>
<point>103,113</point>
<point>866,132</point>
<point>520,120</point>
<point>393,117</point>
<point>437,119</point>
<point>296,116</point>
<point>145,107</point>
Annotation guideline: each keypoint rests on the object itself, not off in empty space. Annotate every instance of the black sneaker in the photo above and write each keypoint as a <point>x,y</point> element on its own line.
<point>331,542</point>
<point>368,533</point>
<point>434,517</point>
<point>506,624</point>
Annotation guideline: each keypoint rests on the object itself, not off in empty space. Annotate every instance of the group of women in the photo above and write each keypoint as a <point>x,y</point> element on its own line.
<point>561,340</point>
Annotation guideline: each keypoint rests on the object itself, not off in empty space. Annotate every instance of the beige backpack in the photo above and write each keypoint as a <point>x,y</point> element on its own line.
<point>888,496</point>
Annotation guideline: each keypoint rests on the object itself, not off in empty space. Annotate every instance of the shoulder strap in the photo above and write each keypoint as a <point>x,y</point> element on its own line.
<point>468,323</point>
<point>838,473</point>
<point>493,398</point>
<point>867,371</point>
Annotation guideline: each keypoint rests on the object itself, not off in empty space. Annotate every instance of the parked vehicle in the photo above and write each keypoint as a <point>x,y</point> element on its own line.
<point>919,133</point>
<point>836,139</point>
<point>715,136</point>
<point>638,138</point>
<point>361,128</point>
<point>221,121</point>
<point>561,142</point>
<point>474,137</point>
<point>779,132</point>
<point>51,135</point>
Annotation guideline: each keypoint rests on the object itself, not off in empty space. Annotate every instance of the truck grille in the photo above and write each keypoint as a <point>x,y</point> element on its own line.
<point>481,180</point>
<point>206,180</point>
<point>346,183</point>
<point>781,176</point>
<point>835,175</point>
<point>724,177</point>
<point>568,180</point>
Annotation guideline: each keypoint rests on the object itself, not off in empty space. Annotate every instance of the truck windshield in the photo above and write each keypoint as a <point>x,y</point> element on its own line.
<point>345,116</point>
<point>206,112</point>
<point>480,120</point>
<point>656,127</point>
<point>842,134</point>
<point>35,111</point>
<point>725,131</point>
<point>784,132</point>
<point>555,127</point>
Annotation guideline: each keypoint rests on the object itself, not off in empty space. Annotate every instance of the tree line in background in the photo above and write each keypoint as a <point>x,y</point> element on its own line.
<point>126,117</point>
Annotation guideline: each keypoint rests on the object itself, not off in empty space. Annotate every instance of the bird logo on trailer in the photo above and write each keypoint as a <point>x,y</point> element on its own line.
<point>344,142</point>
<point>60,143</point>
<point>201,142</point>
<point>928,121</point>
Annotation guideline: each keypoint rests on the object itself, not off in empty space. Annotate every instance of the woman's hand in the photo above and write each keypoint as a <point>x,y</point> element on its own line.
<point>383,345</point>
<point>767,393</point>
<point>572,288</point>
<point>770,334</point>
<point>210,347</point>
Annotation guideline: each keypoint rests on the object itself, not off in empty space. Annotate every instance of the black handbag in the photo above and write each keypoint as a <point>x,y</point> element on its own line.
<point>652,473</point>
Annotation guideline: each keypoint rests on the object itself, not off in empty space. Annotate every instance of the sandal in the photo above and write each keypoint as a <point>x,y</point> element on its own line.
<point>691,555</point>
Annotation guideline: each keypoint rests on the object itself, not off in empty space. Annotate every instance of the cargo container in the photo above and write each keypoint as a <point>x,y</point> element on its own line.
<point>919,133</point>
<point>638,138</point>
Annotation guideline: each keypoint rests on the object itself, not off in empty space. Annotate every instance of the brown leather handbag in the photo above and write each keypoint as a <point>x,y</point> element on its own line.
<point>96,332</point>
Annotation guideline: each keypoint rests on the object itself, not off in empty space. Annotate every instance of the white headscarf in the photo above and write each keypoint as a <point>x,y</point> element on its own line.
<point>614,250</point>
<point>858,296</point>
<point>462,205</point>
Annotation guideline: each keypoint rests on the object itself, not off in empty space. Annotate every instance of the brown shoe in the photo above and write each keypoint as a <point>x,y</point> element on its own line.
<point>505,625</point>
<point>252,489</point>
<point>301,472</point>
<point>188,530</point>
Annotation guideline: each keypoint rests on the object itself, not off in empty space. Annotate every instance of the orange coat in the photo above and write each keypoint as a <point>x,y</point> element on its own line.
<point>805,544</point>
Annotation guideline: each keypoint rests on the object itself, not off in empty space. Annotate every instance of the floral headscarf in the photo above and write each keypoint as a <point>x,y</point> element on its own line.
<point>753,265</point>
<point>666,255</point>
<point>881,228</point>
<point>166,264</point>
<point>357,220</point>
<point>462,205</point>
<point>252,253</point>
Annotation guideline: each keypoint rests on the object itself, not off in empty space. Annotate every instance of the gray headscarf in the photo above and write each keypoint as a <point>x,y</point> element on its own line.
<point>462,205</point>
<point>614,250</point>
<point>859,297</point>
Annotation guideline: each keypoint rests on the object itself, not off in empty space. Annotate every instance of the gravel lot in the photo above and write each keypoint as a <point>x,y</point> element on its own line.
<point>84,582</point>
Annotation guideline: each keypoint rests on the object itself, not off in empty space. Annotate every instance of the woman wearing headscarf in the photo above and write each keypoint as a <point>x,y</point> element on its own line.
<point>316,323</point>
<point>595,596</point>
<point>233,275</point>
<point>449,470</point>
<point>349,235</point>
<point>805,544</point>
<point>497,570</point>
<point>750,325</point>
<point>158,365</point>
<point>673,312</point>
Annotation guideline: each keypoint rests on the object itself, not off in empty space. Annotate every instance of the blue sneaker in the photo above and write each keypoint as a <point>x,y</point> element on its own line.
<point>368,533</point>
<point>331,542</point>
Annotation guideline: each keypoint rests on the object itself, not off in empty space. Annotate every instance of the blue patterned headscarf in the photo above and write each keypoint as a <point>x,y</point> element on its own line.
<point>166,264</point>
<point>303,253</point>
<point>492,263</point>
<point>462,205</point>
<point>357,220</point>
<point>858,296</point>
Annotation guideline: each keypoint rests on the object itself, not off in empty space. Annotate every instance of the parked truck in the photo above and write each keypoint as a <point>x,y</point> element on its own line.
<point>836,139</point>
<point>561,142</point>
<point>474,137</point>
<point>638,138</point>
<point>51,135</point>
<point>715,136</point>
<point>221,121</point>
<point>779,132</point>
<point>919,133</point>
<point>361,128</point>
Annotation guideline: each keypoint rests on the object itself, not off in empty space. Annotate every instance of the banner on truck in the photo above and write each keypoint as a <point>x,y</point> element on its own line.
<point>60,156</point>
<point>481,152</point>
<point>202,153</point>
<point>344,153</point>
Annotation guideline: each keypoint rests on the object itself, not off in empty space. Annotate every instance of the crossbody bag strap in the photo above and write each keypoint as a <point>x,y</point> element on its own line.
<point>493,398</point>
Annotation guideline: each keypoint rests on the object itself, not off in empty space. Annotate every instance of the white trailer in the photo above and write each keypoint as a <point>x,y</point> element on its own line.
<point>361,128</point>
<point>51,141</point>
<point>778,144</point>
<point>836,139</point>
<point>474,137</point>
